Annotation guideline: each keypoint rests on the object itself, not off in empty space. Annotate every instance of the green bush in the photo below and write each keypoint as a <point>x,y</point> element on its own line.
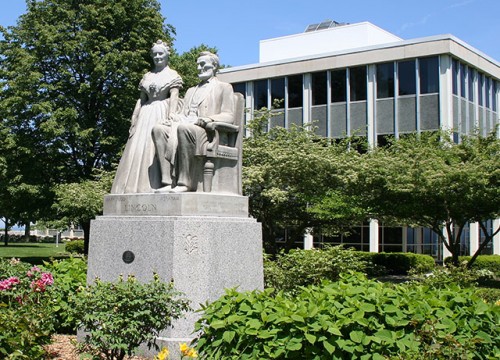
<point>354,318</point>
<point>483,262</point>
<point>26,312</point>
<point>47,239</point>
<point>297,268</point>
<point>70,277</point>
<point>75,246</point>
<point>402,263</point>
<point>119,316</point>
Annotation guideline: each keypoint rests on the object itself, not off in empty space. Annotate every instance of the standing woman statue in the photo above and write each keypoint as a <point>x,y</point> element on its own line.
<point>139,170</point>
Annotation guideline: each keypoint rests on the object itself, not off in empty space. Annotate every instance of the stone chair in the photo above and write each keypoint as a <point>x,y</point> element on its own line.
<point>223,155</point>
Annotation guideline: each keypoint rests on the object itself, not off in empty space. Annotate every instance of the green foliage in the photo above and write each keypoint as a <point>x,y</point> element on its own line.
<point>402,263</point>
<point>428,180</point>
<point>354,318</point>
<point>75,246</point>
<point>26,312</point>
<point>69,72</point>
<point>119,316</point>
<point>286,174</point>
<point>70,276</point>
<point>482,262</point>
<point>297,268</point>
<point>461,275</point>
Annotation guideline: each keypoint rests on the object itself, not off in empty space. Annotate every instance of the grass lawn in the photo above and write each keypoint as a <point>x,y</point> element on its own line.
<point>33,253</point>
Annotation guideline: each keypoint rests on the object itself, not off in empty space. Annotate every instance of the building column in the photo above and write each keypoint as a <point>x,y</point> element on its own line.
<point>371,106</point>
<point>308,240</point>
<point>496,238</point>
<point>307,103</point>
<point>446,93</point>
<point>446,253</point>
<point>248,105</point>
<point>374,241</point>
<point>474,238</point>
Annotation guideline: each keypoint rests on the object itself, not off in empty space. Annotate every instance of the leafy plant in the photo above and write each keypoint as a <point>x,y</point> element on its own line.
<point>120,316</point>
<point>299,268</point>
<point>70,276</point>
<point>75,246</point>
<point>26,314</point>
<point>354,318</point>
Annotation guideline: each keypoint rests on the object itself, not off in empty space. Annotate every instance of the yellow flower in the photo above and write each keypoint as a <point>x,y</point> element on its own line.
<point>497,303</point>
<point>162,355</point>
<point>192,353</point>
<point>184,349</point>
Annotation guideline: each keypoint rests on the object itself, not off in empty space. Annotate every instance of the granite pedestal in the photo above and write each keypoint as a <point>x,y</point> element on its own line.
<point>204,242</point>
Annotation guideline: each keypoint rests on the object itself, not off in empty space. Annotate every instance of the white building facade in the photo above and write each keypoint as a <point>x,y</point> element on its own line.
<point>357,79</point>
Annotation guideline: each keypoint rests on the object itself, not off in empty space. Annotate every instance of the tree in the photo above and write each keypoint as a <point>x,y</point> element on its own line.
<point>430,181</point>
<point>287,174</point>
<point>68,77</point>
<point>78,203</point>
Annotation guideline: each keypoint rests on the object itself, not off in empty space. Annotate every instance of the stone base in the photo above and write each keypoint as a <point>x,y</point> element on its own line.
<point>202,254</point>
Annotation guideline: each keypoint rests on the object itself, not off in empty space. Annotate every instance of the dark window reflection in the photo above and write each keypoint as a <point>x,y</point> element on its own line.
<point>278,93</point>
<point>295,94</point>
<point>339,90</point>
<point>319,84</point>
<point>357,83</point>
<point>385,80</point>
<point>260,94</point>
<point>406,78</point>
<point>429,75</point>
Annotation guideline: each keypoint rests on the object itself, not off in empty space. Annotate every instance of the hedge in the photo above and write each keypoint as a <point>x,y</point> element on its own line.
<point>483,262</point>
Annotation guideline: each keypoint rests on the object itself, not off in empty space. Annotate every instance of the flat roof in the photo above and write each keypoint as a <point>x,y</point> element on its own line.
<point>399,50</point>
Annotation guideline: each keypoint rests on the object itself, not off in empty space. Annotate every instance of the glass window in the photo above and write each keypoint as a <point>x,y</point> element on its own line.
<point>339,89</point>
<point>319,84</point>
<point>406,78</point>
<point>470,80</point>
<point>463,73</point>
<point>385,80</point>
<point>278,93</point>
<point>357,83</point>
<point>240,87</point>
<point>480,85</point>
<point>429,75</point>
<point>259,94</point>
<point>455,67</point>
<point>295,94</point>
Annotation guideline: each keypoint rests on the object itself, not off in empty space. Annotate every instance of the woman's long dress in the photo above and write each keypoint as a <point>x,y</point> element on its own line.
<point>139,170</point>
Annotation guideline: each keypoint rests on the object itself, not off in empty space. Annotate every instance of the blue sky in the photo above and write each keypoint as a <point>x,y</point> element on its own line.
<point>235,27</point>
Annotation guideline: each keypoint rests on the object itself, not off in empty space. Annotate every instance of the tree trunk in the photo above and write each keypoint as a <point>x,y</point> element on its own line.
<point>27,230</point>
<point>6,234</point>
<point>86,236</point>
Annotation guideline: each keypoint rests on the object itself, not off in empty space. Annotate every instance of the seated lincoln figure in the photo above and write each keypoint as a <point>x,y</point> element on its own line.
<point>209,101</point>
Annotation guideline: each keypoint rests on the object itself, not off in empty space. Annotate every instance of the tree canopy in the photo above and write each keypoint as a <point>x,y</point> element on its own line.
<point>69,72</point>
<point>430,181</point>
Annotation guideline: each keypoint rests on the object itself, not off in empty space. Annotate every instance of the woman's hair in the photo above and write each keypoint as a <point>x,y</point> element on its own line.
<point>213,57</point>
<point>164,46</point>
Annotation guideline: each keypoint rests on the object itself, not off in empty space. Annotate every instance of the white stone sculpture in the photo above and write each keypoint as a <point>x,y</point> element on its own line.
<point>139,170</point>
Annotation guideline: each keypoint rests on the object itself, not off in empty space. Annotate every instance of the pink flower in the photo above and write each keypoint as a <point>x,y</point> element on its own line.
<point>37,286</point>
<point>47,279</point>
<point>8,283</point>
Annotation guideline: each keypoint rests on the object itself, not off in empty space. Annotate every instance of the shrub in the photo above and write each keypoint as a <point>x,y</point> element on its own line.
<point>307,267</point>
<point>75,246</point>
<point>26,314</point>
<point>70,277</point>
<point>483,262</point>
<point>354,318</point>
<point>118,317</point>
<point>402,263</point>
